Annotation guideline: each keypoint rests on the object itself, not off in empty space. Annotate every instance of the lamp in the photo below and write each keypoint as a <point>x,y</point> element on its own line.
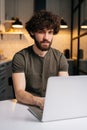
<point>17,23</point>
<point>63,24</point>
<point>84,24</point>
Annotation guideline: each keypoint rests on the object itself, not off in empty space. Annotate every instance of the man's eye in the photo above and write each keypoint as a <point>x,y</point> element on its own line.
<point>40,31</point>
<point>50,32</point>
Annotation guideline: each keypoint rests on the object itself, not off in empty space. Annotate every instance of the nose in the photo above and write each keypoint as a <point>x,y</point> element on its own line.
<point>46,35</point>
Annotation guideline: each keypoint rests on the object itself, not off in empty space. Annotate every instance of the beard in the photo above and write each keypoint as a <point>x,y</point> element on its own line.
<point>42,44</point>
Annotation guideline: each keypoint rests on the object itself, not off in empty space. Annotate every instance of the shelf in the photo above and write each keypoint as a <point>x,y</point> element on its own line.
<point>7,33</point>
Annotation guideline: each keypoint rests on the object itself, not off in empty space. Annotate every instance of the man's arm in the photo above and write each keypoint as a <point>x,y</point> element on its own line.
<point>23,96</point>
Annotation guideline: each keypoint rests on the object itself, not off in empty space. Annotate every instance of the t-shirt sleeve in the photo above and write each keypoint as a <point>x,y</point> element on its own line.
<point>18,63</point>
<point>63,63</point>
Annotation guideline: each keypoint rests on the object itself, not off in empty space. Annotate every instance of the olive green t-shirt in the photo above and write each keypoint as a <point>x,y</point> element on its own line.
<point>37,69</point>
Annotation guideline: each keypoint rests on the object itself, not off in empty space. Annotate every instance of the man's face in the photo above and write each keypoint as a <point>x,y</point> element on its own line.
<point>43,39</point>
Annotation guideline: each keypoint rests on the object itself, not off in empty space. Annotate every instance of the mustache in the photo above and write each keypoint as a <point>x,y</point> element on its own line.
<point>45,41</point>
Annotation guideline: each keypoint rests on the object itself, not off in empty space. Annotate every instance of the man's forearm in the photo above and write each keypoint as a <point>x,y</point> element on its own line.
<point>27,98</point>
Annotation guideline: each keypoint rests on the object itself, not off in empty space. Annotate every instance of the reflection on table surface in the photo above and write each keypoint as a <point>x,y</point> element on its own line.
<point>15,116</point>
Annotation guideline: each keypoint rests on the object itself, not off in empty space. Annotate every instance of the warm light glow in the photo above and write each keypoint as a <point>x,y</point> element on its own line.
<point>63,26</point>
<point>84,26</point>
<point>17,26</point>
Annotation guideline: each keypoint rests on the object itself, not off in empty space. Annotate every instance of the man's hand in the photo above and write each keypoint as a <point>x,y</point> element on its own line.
<point>39,101</point>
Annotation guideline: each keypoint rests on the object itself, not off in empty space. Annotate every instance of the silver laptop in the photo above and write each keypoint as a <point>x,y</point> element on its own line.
<point>66,98</point>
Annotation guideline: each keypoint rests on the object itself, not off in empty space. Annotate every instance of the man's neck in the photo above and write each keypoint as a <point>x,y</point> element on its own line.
<point>38,51</point>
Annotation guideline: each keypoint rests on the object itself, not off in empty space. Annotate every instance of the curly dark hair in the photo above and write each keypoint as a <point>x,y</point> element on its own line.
<point>43,20</point>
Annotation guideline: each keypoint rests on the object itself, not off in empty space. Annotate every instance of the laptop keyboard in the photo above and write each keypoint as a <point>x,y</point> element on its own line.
<point>36,111</point>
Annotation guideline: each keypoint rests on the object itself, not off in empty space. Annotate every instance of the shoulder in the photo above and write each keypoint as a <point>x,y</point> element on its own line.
<point>56,52</point>
<point>58,55</point>
<point>23,53</point>
<point>61,59</point>
<point>22,56</point>
<point>20,59</point>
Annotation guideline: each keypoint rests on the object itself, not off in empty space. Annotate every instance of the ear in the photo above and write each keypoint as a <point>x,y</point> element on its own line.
<point>32,34</point>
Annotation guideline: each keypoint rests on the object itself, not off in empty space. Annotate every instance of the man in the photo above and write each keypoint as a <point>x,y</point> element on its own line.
<point>33,65</point>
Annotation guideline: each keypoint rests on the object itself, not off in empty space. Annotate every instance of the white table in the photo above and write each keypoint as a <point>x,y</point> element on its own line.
<point>15,116</point>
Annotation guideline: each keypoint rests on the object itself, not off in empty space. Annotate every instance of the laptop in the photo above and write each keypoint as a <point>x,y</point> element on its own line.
<point>66,98</point>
